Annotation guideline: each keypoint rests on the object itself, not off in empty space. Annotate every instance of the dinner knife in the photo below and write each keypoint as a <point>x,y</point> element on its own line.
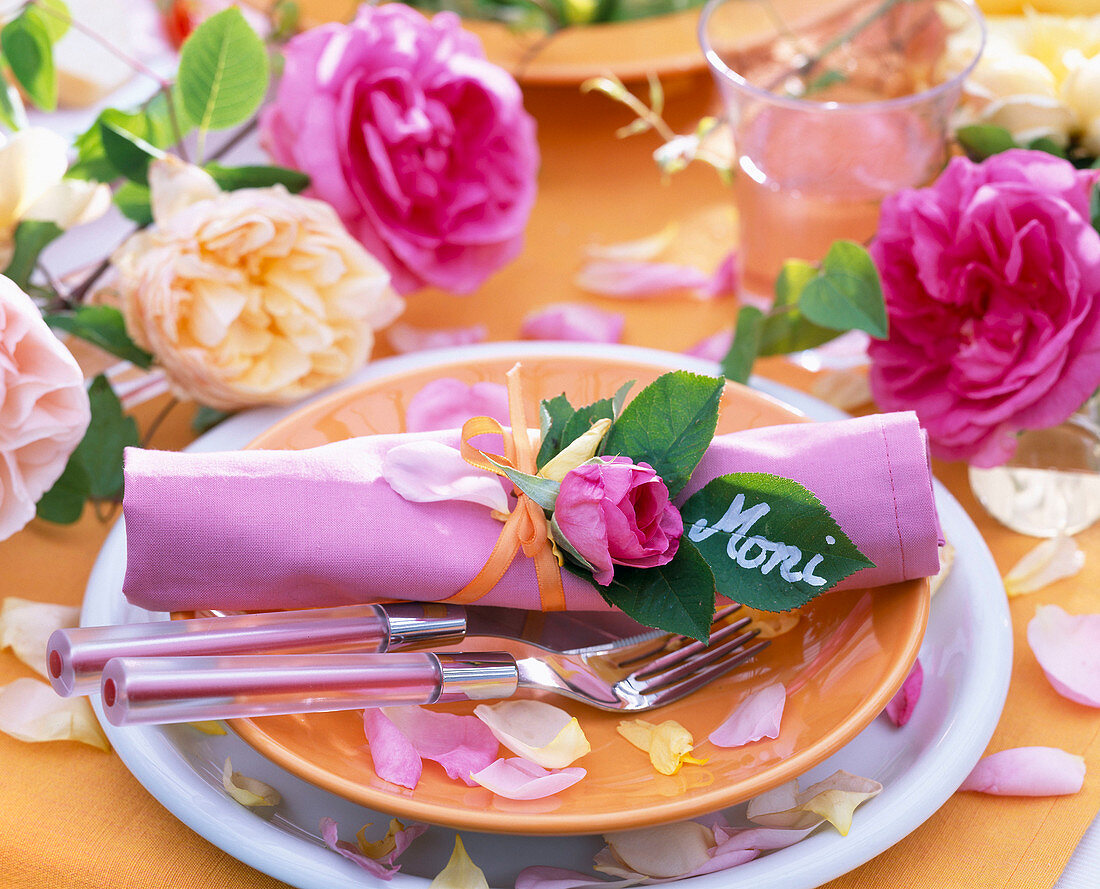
<point>75,657</point>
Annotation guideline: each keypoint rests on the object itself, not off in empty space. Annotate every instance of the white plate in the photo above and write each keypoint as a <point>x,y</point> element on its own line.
<point>967,656</point>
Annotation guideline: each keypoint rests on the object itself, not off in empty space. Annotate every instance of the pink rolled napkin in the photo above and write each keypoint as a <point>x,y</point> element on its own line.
<point>255,530</point>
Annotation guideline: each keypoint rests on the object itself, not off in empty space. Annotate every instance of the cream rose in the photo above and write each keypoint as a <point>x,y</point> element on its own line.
<point>44,409</point>
<point>248,297</point>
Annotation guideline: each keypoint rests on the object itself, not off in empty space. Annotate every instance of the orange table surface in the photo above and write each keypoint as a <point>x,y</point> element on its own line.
<point>71,816</point>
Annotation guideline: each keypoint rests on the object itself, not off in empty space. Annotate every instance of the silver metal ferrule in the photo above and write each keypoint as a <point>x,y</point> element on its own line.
<point>419,625</point>
<point>477,677</point>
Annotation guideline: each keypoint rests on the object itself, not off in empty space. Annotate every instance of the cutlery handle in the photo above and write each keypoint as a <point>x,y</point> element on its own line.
<point>160,690</point>
<point>75,657</point>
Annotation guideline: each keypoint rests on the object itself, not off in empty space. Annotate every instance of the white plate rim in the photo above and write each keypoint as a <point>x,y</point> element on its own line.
<point>298,860</point>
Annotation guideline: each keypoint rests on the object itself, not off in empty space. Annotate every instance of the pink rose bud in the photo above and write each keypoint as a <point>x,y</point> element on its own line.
<point>615,512</point>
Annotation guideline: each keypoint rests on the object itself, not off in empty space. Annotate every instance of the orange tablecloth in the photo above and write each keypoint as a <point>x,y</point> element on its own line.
<point>73,817</point>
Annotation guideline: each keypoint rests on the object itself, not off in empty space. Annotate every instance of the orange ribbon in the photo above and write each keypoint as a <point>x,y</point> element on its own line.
<point>526,527</point>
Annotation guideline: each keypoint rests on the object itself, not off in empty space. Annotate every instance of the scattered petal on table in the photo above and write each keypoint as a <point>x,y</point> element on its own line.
<point>901,705</point>
<point>1067,647</point>
<point>25,627</point>
<point>627,279</point>
<point>248,791</point>
<point>669,744</point>
<point>447,403</point>
<point>537,731</point>
<point>405,338</point>
<point>670,850</point>
<point>1027,771</point>
<point>1052,560</point>
<point>460,872</point>
<point>834,800</point>
<point>762,839</point>
<point>461,744</point>
<point>947,562</point>
<point>393,754</point>
<point>573,322</point>
<point>639,250</point>
<point>518,778</point>
<point>846,388</point>
<point>430,472</point>
<point>757,716</point>
<point>714,347</point>
<point>30,710</point>
<point>725,278</point>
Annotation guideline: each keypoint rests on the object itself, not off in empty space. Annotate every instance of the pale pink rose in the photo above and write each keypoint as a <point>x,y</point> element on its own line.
<point>615,512</point>
<point>421,144</point>
<point>44,409</point>
<point>249,297</point>
<point>992,285</point>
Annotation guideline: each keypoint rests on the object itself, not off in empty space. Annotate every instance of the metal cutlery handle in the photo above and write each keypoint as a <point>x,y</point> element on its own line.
<point>75,657</point>
<point>161,690</point>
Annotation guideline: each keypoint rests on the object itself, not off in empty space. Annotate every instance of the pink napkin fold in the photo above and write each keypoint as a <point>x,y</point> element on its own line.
<point>290,529</point>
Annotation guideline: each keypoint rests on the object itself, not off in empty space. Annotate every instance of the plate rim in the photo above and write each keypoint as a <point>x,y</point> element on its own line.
<point>150,756</point>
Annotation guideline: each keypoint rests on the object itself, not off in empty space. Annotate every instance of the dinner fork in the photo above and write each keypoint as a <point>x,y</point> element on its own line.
<point>637,678</point>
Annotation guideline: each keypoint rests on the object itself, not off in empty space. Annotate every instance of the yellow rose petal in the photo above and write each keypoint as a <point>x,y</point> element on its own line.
<point>30,710</point>
<point>248,791</point>
<point>671,850</point>
<point>209,727</point>
<point>834,800</point>
<point>638,250</point>
<point>25,627</point>
<point>537,731</point>
<point>460,872</point>
<point>669,744</point>
<point>382,847</point>
<point>581,449</point>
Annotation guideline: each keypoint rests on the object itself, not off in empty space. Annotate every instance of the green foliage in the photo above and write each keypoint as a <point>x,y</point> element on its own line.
<point>105,327</point>
<point>761,535</point>
<point>31,238</point>
<point>232,178</point>
<point>134,202</point>
<point>223,72</point>
<point>561,424</point>
<point>846,294</point>
<point>151,126</point>
<point>980,141</point>
<point>737,365</point>
<point>129,154</point>
<point>12,113</point>
<point>27,45</point>
<point>206,418</point>
<point>1094,205</point>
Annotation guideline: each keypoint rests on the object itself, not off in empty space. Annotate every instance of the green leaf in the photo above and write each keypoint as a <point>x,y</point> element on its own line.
<point>565,546</point>
<point>583,418</point>
<point>669,425</point>
<point>847,294</point>
<point>206,418</point>
<point>737,365</point>
<point>223,71</point>
<point>1045,143</point>
<point>134,201</point>
<point>100,452</point>
<point>152,125</point>
<point>769,541</point>
<point>28,49</point>
<point>542,490</point>
<point>232,178</point>
<point>56,18</point>
<point>792,280</point>
<point>980,141</point>
<point>12,113</point>
<point>129,154</point>
<point>64,502</point>
<point>1094,205</point>
<point>104,326</point>
<point>619,398</point>
<point>32,236</point>
<point>554,413</point>
<point>677,597</point>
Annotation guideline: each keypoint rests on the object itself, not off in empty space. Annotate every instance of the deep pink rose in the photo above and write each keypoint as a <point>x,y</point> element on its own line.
<point>421,144</point>
<point>992,284</point>
<point>615,512</point>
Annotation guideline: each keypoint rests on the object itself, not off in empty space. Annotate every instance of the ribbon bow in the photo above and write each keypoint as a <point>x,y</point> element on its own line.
<point>525,527</point>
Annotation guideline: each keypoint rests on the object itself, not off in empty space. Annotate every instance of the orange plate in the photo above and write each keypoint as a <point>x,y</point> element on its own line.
<point>841,663</point>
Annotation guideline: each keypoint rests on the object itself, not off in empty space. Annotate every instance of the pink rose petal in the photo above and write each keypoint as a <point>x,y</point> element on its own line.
<point>543,877</point>
<point>628,279</point>
<point>1067,647</point>
<point>901,705</point>
<point>725,279</point>
<point>714,347</point>
<point>758,716</point>
<point>384,867</point>
<point>447,403</point>
<point>461,744</point>
<point>762,839</point>
<point>405,338</point>
<point>573,322</point>
<point>517,778</point>
<point>1027,771</point>
<point>395,758</point>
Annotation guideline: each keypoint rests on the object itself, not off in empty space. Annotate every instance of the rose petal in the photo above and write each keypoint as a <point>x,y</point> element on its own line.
<point>397,839</point>
<point>1068,649</point>
<point>757,716</point>
<point>834,800</point>
<point>762,839</point>
<point>460,872</point>
<point>901,704</point>
<point>430,471</point>
<point>712,348</point>
<point>209,727</point>
<point>30,710</point>
<point>1027,771</point>
<point>947,562</point>
<point>725,279</point>
<point>248,791</point>
<point>448,403</point>
<point>405,338</point>
<point>669,744</point>
<point>670,850</point>
<point>394,756</point>
<point>462,745</point>
<point>383,869</point>
<point>628,279</point>
<point>639,250</point>
<point>537,731</point>
<point>26,626</point>
<point>1052,560</point>
<point>574,323</point>
<point>542,877</point>
<point>517,778</point>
